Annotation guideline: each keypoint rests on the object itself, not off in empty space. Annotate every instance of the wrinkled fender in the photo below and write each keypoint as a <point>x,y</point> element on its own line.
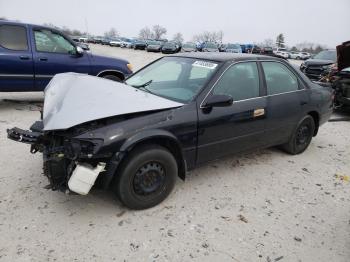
<point>158,136</point>
<point>145,135</point>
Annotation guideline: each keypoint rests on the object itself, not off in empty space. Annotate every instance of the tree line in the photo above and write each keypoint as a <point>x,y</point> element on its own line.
<point>158,32</point>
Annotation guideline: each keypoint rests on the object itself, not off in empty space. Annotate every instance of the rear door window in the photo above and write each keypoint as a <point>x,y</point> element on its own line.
<point>13,37</point>
<point>279,78</point>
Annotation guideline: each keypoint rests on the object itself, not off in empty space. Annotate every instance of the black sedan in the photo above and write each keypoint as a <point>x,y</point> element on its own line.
<point>189,47</point>
<point>315,67</point>
<point>171,116</point>
<point>154,46</point>
<point>171,47</point>
<point>140,44</point>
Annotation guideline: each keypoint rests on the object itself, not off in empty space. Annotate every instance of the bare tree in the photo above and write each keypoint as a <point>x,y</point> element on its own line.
<point>219,36</point>
<point>111,33</point>
<point>267,42</point>
<point>178,37</point>
<point>145,33</point>
<point>206,36</point>
<point>159,31</point>
<point>280,40</point>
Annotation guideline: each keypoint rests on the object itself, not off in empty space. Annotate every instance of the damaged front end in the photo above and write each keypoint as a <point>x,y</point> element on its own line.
<point>75,106</point>
<point>338,76</point>
<point>69,163</point>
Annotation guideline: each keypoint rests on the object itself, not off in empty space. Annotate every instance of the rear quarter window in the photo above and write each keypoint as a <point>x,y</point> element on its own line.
<point>13,37</point>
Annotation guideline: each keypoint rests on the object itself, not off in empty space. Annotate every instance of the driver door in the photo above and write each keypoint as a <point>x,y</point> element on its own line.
<point>240,126</point>
<point>53,53</point>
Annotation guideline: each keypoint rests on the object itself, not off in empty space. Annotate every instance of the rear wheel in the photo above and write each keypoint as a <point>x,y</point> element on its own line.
<point>301,137</point>
<point>112,77</point>
<point>147,177</point>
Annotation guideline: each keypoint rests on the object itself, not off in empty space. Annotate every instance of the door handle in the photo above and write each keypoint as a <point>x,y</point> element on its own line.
<point>42,58</point>
<point>24,57</point>
<point>302,103</point>
<point>259,112</point>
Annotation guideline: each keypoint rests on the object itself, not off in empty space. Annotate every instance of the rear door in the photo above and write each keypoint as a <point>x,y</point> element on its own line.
<point>235,128</point>
<point>53,53</point>
<point>286,99</point>
<point>16,60</point>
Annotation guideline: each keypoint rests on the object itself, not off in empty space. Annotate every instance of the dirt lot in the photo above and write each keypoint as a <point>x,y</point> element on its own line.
<point>263,206</point>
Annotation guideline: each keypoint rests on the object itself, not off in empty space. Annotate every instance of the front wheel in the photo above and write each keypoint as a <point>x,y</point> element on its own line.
<point>301,137</point>
<point>147,177</point>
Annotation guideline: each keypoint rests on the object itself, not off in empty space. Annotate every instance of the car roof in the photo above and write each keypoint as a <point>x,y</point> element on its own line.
<point>9,22</point>
<point>223,57</point>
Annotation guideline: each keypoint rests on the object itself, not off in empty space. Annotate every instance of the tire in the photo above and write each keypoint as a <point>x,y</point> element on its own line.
<point>301,137</point>
<point>153,163</point>
<point>112,77</point>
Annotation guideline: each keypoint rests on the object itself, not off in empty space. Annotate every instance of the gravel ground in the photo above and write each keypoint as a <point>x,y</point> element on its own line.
<point>262,206</point>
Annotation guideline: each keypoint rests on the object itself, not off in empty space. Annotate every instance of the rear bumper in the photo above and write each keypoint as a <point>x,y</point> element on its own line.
<point>325,117</point>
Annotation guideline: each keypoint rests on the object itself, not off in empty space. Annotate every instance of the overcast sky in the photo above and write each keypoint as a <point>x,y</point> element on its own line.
<point>319,21</point>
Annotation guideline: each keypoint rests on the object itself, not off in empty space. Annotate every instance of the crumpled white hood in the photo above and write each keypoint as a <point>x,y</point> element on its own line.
<point>72,99</point>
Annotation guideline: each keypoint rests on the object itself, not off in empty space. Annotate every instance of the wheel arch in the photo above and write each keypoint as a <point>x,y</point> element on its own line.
<point>316,117</point>
<point>158,137</point>
<point>111,72</point>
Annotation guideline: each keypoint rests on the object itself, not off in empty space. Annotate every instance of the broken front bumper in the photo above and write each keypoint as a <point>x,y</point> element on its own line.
<point>24,136</point>
<point>32,137</point>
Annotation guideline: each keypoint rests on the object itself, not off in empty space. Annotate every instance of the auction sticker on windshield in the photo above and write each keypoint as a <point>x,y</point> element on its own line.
<point>205,64</point>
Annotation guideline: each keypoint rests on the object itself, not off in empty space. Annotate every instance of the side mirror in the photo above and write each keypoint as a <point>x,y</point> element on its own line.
<point>218,101</point>
<point>80,50</point>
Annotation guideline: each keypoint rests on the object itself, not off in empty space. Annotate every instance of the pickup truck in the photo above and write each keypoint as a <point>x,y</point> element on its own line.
<point>31,55</point>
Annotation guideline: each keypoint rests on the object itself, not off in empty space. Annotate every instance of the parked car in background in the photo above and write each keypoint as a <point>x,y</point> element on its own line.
<point>97,40</point>
<point>32,54</point>
<point>189,47</point>
<point>222,47</point>
<point>299,55</point>
<point>83,45</point>
<point>251,49</point>
<point>209,47</point>
<point>294,55</point>
<point>115,42</point>
<point>140,44</point>
<point>127,42</point>
<point>305,55</point>
<point>281,52</point>
<point>171,47</point>
<point>106,41</point>
<point>124,41</point>
<point>266,50</point>
<point>83,39</point>
<point>233,48</point>
<point>316,66</point>
<point>154,46</point>
<point>137,137</point>
<point>255,49</point>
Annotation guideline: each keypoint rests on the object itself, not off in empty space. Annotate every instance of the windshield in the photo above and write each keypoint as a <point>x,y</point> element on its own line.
<point>210,45</point>
<point>189,45</point>
<point>169,44</point>
<point>176,78</point>
<point>233,46</point>
<point>154,43</point>
<point>326,55</point>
